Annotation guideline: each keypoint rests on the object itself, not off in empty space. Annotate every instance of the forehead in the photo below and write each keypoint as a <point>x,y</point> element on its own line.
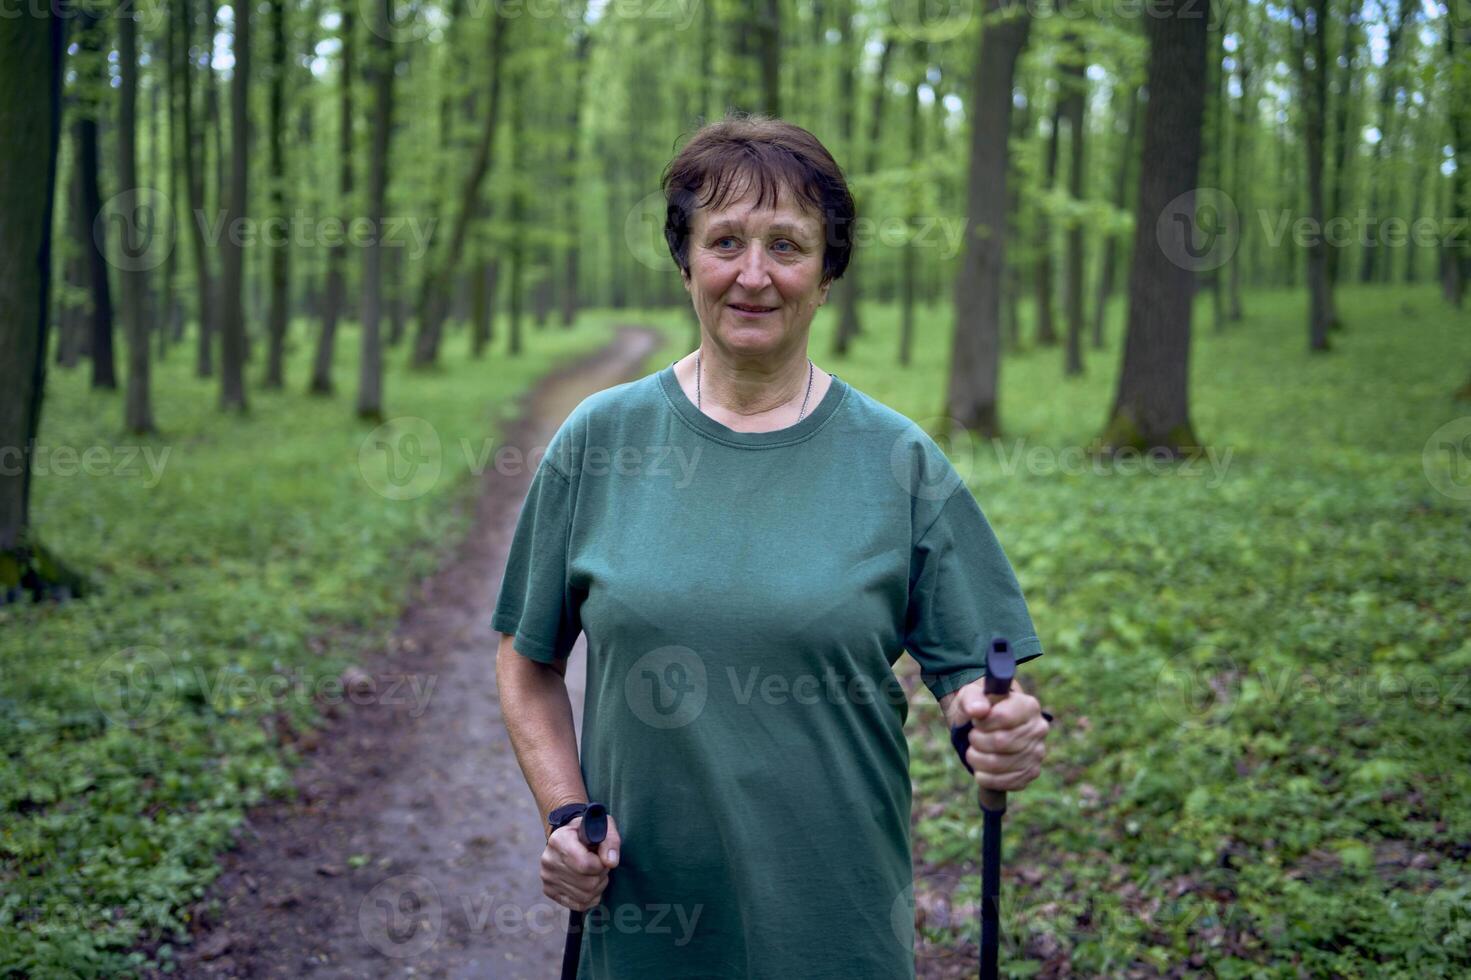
<point>741,211</point>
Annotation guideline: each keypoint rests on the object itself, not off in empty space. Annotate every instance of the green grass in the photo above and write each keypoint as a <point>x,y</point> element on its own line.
<point>1262,762</point>
<point>238,577</point>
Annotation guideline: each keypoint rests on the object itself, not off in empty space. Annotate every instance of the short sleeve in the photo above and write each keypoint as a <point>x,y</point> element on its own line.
<point>535,604</point>
<point>962,591</point>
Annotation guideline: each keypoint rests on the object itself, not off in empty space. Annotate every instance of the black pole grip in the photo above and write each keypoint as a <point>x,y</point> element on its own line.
<point>1000,670</point>
<point>592,831</point>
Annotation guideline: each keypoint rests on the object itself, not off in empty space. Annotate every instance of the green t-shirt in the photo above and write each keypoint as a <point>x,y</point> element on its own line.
<point>745,596</point>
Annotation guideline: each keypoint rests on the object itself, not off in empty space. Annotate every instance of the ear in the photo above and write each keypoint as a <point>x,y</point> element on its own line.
<point>826,286</point>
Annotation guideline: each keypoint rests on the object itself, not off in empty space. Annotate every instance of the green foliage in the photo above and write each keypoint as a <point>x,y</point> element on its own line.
<point>238,574</point>
<point>1261,673</point>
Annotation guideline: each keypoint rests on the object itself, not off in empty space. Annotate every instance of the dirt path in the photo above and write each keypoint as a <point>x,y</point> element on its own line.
<point>412,848</point>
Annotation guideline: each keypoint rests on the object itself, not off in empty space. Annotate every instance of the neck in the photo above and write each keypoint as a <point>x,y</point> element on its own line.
<point>752,389</point>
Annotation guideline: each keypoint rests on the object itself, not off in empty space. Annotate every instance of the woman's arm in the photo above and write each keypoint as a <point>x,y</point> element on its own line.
<point>538,716</point>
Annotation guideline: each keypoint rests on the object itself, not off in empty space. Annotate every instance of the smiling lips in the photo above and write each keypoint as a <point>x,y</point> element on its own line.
<point>746,308</point>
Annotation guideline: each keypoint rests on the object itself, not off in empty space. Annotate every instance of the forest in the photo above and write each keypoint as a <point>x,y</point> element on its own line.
<point>1178,284</point>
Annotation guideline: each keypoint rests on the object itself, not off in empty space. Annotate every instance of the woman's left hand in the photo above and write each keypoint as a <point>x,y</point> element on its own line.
<point>1008,738</point>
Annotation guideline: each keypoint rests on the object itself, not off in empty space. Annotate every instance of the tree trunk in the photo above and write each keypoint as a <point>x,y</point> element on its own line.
<point>1242,174</point>
<point>916,157</point>
<point>232,311</point>
<point>440,270</point>
<point>380,78</point>
<point>1075,85</point>
<point>1345,135</point>
<point>484,325</point>
<point>570,255</point>
<point>769,31</point>
<point>1394,31</point>
<point>193,150</point>
<point>1151,409</point>
<point>1314,82</point>
<point>974,360</point>
<point>279,252</point>
<point>1042,270</point>
<point>91,63</point>
<point>30,73</point>
<point>321,383</point>
<point>518,215</point>
<point>1122,169</point>
<point>1454,248</point>
<point>137,410</point>
<point>1021,129</point>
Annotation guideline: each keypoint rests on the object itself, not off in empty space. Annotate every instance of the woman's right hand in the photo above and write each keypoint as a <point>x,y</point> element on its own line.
<point>571,875</point>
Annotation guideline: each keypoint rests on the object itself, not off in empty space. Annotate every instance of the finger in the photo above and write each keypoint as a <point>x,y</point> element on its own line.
<point>1011,712</point>
<point>1000,765</point>
<point>581,890</point>
<point>611,845</point>
<point>1009,782</point>
<point>973,701</point>
<point>573,854</point>
<point>1009,740</point>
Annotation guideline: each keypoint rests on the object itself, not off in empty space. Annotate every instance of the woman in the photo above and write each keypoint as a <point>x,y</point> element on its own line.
<point>749,543</point>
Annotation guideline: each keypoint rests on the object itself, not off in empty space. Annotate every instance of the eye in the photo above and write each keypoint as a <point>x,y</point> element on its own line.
<point>719,241</point>
<point>790,246</point>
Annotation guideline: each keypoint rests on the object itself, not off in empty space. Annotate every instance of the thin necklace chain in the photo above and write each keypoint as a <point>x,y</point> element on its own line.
<point>804,397</point>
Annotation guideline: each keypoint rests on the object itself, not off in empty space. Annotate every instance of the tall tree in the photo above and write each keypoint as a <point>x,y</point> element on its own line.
<point>321,382</point>
<point>1345,147</point>
<point>866,156</point>
<point>581,44</point>
<point>193,152</point>
<point>33,46</point>
<point>137,407</point>
<point>1310,46</point>
<point>381,60</point>
<point>1075,90</point>
<point>768,31</point>
<point>279,251</point>
<point>1455,250</point>
<point>1151,408</point>
<point>1396,16</point>
<point>975,350</point>
<point>1123,167</point>
<point>908,286</point>
<point>91,68</point>
<point>435,294</point>
<point>232,310</point>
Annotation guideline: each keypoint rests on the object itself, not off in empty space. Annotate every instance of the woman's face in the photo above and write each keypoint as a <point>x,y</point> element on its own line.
<point>756,274</point>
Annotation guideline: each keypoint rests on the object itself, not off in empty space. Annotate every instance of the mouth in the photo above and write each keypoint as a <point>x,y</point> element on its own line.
<point>748,309</point>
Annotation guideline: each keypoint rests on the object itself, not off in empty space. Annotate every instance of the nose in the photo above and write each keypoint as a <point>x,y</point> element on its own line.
<point>754,274</point>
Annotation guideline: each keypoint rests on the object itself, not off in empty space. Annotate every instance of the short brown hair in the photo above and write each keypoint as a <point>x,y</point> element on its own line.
<point>742,150</point>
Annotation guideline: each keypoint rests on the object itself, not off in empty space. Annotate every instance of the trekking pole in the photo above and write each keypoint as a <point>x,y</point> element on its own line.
<point>1000,669</point>
<point>592,831</point>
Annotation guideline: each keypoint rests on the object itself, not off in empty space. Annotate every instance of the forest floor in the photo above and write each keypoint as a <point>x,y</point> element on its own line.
<point>412,844</point>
